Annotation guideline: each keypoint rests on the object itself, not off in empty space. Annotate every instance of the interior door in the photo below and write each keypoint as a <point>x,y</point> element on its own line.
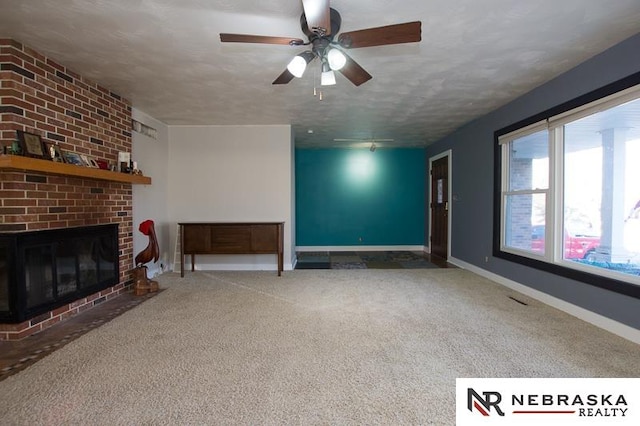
<point>440,207</point>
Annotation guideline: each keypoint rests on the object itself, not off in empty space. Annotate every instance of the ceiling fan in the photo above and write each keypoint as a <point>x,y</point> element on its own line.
<point>320,23</point>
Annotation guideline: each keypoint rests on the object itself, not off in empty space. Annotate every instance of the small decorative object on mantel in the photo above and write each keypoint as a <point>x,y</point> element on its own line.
<point>54,153</point>
<point>141,283</point>
<point>136,170</point>
<point>13,149</point>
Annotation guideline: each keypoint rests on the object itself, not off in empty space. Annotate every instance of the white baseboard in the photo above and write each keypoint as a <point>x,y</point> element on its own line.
<point>232,262</point>
<point>236,267</point>
<point>360,248</point>
<point>598,320</point>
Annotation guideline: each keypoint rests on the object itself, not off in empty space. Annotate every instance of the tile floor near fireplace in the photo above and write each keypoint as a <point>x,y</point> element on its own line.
<point>368,260</point>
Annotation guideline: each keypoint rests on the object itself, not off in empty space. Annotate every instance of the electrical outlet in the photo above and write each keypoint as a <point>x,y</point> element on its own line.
<point>359,239</point>
<point>486,259</point>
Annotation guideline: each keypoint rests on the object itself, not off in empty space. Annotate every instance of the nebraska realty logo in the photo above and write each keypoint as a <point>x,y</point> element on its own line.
<point>553,401</point>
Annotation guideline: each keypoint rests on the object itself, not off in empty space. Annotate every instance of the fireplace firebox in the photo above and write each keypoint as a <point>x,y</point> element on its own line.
<point>43,270</point>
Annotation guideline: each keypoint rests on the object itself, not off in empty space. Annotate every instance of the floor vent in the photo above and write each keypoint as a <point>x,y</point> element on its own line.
<point>519,301</point>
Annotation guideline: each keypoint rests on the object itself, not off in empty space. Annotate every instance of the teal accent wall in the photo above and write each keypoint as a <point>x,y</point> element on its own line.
<point>358,197</point>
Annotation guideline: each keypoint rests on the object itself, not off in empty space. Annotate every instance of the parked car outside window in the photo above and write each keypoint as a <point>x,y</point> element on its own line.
<point>576,246</point>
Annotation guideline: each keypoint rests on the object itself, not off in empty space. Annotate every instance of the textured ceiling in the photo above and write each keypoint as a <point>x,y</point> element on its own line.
<point>166,57</point>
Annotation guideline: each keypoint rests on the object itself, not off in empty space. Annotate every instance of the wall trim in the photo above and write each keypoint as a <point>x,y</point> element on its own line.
<point>420,248</point>
<point>598,320</point>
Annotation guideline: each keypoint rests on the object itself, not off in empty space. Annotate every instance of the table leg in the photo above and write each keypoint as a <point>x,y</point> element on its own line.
<point>182,251</point>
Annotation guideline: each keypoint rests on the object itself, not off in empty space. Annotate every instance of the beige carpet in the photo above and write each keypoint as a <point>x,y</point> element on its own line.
<point>310,347</point>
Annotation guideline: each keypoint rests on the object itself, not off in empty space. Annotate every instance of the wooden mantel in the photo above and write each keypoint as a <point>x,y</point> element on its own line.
<point>16,162</point>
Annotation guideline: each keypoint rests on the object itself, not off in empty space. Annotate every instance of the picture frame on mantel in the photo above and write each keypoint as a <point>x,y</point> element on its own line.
<point>71,157</point>
<point>31,144</point>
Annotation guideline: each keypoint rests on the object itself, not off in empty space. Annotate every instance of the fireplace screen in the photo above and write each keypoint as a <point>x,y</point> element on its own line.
<point>4,276</point>
<point>55,267</point>
<point>38,275</point>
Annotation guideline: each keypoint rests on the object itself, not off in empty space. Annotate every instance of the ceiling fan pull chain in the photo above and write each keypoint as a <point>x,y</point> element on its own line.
<point>315,78</point>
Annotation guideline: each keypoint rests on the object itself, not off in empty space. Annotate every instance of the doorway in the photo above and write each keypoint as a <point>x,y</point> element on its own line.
<point>440,207</point>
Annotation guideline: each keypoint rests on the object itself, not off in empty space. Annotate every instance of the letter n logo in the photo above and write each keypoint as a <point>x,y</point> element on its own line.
<point>483,405</point>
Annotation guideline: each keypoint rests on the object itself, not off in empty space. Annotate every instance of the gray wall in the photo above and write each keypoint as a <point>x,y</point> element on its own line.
<point>473,181</point>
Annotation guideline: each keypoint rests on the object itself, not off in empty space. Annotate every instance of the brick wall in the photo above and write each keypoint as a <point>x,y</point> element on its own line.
<point>40,96</point>
<point>521,206</point>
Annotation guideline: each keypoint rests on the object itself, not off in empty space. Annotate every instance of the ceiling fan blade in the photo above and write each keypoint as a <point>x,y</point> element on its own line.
<point>354,72</point>
<point>247,38</point>
<point>284,78</point>
<point>317,14</point>
<point>391,34</point>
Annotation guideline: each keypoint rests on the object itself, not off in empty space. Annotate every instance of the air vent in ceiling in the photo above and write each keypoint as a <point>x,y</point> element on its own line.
<point>144,129</point>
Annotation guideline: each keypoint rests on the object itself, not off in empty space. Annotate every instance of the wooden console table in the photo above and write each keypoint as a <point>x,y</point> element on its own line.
<point>231,238</point>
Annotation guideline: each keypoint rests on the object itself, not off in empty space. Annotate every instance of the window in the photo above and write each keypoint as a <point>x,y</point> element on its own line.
<point>570,191</point>
<point>526,191</point>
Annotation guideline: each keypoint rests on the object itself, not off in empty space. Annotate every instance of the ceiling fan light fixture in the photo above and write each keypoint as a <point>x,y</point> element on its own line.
<point>327,78</point>
<point>299,63</point>
<point>336,59</point>
<point>297,66</point>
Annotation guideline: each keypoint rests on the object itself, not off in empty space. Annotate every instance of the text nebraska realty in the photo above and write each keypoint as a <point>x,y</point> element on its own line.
<point>590,405</point>
<point>586,405</point>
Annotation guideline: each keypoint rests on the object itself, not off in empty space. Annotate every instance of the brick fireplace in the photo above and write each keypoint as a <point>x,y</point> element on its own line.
<point>39,95</point>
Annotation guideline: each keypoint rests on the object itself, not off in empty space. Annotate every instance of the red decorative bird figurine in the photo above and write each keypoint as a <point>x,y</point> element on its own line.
<point>152,251</point>
<point>141,284</point>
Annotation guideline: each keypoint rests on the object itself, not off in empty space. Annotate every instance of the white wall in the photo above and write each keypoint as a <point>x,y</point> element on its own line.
<point>150,201</point>
<point>232,173</point>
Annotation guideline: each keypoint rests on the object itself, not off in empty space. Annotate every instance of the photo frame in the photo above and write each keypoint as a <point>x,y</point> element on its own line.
<point>85,160</point>
<point>54,153</point>
<point>124,161</point>
<point>89,161</point>
<point>31,145</point>
<point>71,157</point>
<point>103,164</point>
